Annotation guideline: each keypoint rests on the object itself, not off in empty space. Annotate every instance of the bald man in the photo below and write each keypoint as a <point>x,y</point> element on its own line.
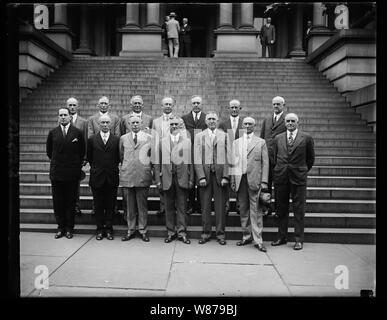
<point>271,127</point>
<point>137,106</point>
<point>248,177</point>
<point>80,123</point>
<point>293,157</point>
<point>93,126</point>
<point>104,157</point>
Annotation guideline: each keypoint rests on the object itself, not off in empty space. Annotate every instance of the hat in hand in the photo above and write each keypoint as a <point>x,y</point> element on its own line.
<point>264,198</point>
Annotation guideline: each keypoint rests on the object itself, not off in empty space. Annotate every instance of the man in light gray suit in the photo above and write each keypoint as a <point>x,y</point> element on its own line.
<point>92,122</point>
<point>136,177</point>
<point>137,105</point>
<point>248,176</point>
<point>174,175</point>
<point>211,167</point>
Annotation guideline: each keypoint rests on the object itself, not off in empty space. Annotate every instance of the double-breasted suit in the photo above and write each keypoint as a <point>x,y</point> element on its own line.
<point>93,125</point>
<point>104,179</point>
<point>291,166</point>
<point>175,172</point>
<point>135,178</point>
<point>250,169</point>
<point>269,130</point>
<point>267,36</point>
<point>210,162</point>
<point>66,155</point>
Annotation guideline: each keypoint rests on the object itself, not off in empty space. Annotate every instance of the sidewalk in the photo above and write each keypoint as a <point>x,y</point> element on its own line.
<point>85,267</point>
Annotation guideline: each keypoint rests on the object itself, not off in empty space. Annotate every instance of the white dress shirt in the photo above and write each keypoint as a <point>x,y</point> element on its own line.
<point>294,134</point>
<point>105,135</point>
<point>198,114</point>
<point>277,116</point>
<point>66,127</point>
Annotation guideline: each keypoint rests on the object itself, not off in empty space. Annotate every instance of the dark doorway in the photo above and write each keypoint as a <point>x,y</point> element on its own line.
<point>202,18</point>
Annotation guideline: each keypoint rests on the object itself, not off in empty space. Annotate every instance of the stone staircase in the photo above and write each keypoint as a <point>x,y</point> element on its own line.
<point>341,194</point>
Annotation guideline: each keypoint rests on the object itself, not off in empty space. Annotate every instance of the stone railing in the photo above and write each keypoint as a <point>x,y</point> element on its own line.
<point>38,57</point>
<point>348,60</point>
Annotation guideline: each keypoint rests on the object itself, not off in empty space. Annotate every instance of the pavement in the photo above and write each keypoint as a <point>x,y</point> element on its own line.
<point>85,267</point>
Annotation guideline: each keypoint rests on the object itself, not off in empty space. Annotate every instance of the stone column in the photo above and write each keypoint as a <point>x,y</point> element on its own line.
<point>84,34</point>
<point>297,51</point>
<point>132,16</point>
<point>225,16</point>
<point>59,32</point>
<point>247,16</point>
<point>320,32</point>
<point>152,15</point>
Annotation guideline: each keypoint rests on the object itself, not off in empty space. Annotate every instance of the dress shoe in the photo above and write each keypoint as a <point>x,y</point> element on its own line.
<point>298,246</point>
<point>109,236</point>
<point>260,247</point>
<point>59,234</point>
<point>69,235</point>
<point>170,238</point>
<point>279,242</point>
<point>144,237</point>
<point>99,236</point>
<point>243,242</point>
<point>184,240</point>
<point>222,242</point>
<point>204,240</point>
<point>128,237</point>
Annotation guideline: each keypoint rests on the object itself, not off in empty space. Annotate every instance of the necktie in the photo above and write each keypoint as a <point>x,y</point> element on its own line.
<point>234,125</point>
<point>196,117</point>
<point>275,118</point>
<point>104,139</point>
<point>135,138</point>
<point>291,140</point>
<point>64,131</point>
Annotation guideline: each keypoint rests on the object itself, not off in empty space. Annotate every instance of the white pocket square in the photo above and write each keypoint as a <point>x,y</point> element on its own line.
<point>75,140</point>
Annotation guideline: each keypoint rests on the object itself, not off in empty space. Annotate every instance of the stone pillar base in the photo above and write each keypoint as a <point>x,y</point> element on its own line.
<point>236,43</point>
<point>297,54</point>
<point>142,42</point>
<point>317,37</point>
<point>62,36</point>
<point>85,52</point>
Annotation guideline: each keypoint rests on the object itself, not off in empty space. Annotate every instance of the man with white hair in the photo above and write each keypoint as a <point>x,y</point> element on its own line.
<point>80,123</point>
<point>293,157</point>
<point>271,127</point>
<point>232,126</point>
<point>137,105</point>
<point>212,174</point>
<point>103,156</point>
<point>93,126</point>
<point>249,176</point>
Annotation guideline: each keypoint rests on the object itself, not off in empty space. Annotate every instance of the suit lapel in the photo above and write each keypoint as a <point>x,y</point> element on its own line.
<point>278,122</point>
<point>254,141</point>
<point>297,141</point>
<point>207,138</point>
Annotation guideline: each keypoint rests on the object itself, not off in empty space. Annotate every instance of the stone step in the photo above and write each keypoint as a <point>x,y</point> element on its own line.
<point>312,220</point>
<point>316,235</point>
<point>312,192</point>
<point>312,205</point>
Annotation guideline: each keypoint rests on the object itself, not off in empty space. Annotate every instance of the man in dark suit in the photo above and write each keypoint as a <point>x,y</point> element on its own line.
<point>267,37</point>
<point>194,122</point>
<point>137,105</point>
<point>211,167</point>
<point>248,177</point>
<point>65,147</point>
<point>80,123</point>
<point>174,174</point>
<point>271,127</point>
<point>231,126</point>
<point>185,39</point>
<point>293,158</point>
<point>103,156</point>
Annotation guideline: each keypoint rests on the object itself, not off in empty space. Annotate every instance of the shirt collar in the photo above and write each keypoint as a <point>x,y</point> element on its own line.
<point>232,118</point>
<point>137,114</point>
<point>133,133</point>
<point>199,113</point>
<point>278,115</point>
<point>211,132</point>
<point>167,115</point>
<point>294,133</point>
<point>175,137</point>
<point>101,114</point>
<point>66,127</point>
<point>74,117</point>
<point>103,134</point>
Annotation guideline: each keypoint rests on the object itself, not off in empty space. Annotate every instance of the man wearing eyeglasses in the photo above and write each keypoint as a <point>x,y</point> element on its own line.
<point>293,157</point>
<point>271,127</point>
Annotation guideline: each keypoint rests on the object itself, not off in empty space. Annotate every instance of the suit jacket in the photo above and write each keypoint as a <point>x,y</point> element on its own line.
<point>136,168</point>
<point>180,155</point>
<point>93,126</point>
<point>206,154</point>
<point>104,160</point>
<point>226,125</point>
<point>125,126</point>
<point>257,162</point>
<point>65,154</point>
<point>185,33</point>
<point>270,129</point>
<point>267,33</point>
<point>292,166</point>
<point>191,126</point>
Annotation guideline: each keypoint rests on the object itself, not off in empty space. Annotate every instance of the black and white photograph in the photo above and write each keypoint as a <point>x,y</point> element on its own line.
<point>221,150</point>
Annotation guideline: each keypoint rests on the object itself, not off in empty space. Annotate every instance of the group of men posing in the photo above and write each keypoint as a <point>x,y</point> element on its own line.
<point>192,159</point>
